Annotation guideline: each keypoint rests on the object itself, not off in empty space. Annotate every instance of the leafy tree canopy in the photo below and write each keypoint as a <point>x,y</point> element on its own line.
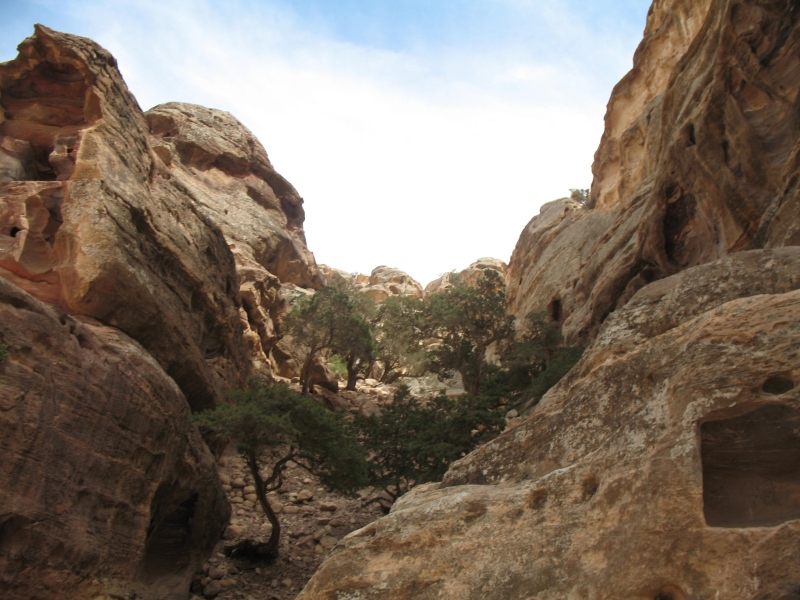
<point>271,423</point>
<point>414,441</point>
<point>466,320</point>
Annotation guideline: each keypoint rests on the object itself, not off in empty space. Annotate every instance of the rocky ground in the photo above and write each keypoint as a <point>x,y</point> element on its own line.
<point>312,522</point>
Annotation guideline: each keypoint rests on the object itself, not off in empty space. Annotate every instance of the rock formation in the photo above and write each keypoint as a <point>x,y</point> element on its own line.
<point>105,486</point>
<point>664,466</point>
<point>699,159</point>
<point>159,245</point>
<point>387,281</point>
<point>673,441</point>
<point>469,275</point>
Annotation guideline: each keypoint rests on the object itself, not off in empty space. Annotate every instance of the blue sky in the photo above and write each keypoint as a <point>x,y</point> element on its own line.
<point>423,134</point>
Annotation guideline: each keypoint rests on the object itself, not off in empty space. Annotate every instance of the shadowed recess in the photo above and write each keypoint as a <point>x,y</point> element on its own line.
<point>751,468</point>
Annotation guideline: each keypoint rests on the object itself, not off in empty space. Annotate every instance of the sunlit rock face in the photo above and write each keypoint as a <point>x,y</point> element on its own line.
<point>470,275</point>
<point>698,160</point>
<point>665,464</point>
<point>142,259</point>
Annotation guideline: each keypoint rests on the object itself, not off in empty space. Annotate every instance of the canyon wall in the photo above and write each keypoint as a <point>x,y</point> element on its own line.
<point>665,465</point>
<point>141,263</point>
<point>699,159</point>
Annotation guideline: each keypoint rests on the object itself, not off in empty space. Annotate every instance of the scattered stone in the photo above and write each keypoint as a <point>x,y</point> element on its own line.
<point>512,414</point>
<point>212,589</point>
<point>287,583</point>
<point>249,489</point>
<point>328,506</point>
<point>304,495</point>
<point>217,572</point>
<point>334,522</point>
<point>328,542</point>
<point>228,583</point>
<point>238,483</point>
<point>231,532</point>
<point>291,510</point>
<point>224,478</point>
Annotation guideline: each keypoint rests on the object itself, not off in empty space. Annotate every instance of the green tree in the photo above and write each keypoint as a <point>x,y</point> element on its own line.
<point>538,358</point>
<point>413,442</point>
<point>465,320</point>
<point>398,332</point>
<point>271,421</point>
<point>328,320</point>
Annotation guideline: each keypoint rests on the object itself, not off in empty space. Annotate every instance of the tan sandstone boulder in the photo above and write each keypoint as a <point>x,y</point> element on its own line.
<point>470,275</point>
<point>103,477</point>
<point>664,465</point>
<point>387,281</point>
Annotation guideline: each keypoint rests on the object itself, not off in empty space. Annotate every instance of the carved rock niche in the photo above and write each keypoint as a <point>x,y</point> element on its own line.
<point>751,468</point>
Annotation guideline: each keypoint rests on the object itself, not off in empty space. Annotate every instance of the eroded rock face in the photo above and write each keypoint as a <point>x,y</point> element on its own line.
<point>698,160</point>
<point>158,245</point>
<point>105,486</point>
<point>100,230</point>
<point>470,275</point>
<point>387,281</point>
<point>673,441</point>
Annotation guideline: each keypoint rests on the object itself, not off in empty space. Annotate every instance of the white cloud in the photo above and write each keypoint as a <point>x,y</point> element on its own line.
<point>423,160</point>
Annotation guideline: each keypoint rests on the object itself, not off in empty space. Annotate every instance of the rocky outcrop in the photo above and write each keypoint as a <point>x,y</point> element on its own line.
<point>699,159</point>
<point>674,440</point>
<point>104,232</point>
<point>160,245</point>
<point>105,487</point>
<point>387,281</point>
<point>470,275</point>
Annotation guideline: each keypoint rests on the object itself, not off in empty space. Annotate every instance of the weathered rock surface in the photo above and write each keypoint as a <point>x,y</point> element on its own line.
<point>165,241</point>
<point>105,487</point>
<point>108,235</point>
<point>387,281</point>
<point>699,159</point>
<point>470,275</point>
<point>664,465</point>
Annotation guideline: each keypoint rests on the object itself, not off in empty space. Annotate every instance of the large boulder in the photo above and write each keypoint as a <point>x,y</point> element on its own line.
<point>698,160</point>
<point>105,486</point>
<point>100,229</point>
<point>470,275</point>
<point>387,281</point>
<point>663,466</point>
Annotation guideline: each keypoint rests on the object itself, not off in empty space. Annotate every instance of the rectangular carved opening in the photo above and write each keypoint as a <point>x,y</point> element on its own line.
<point>751,468</point>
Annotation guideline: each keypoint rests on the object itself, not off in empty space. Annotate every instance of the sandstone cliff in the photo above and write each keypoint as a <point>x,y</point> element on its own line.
<point>141,263</point>
<point>699,159</point>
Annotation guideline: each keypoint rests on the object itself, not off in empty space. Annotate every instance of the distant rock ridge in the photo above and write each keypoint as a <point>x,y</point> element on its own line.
<point>470,275</point>
<point>380,284</point>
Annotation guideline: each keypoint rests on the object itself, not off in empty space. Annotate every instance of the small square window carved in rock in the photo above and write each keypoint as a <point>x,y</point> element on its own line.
<point>751,468</point>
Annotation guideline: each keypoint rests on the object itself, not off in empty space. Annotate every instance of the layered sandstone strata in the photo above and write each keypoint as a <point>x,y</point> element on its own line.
<point>664,466</point>
<point>699,159</point>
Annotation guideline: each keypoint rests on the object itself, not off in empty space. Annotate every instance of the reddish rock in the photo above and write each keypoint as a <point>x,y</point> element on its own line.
<point>102,476</point>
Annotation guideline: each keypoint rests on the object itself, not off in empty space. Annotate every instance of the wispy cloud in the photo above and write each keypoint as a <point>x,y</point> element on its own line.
<point>423,153</point>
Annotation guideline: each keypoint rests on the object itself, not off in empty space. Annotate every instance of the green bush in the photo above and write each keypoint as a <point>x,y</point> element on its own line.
<point>4,353</point>
<point>338,367</point>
